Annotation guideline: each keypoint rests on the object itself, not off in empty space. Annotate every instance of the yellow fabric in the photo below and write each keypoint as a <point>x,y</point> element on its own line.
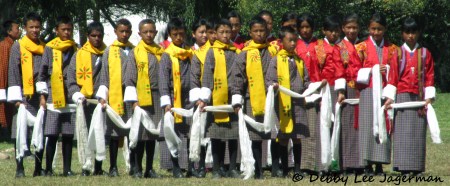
<point>143,79</point>
<point>175,54</point>
<point>255,77</point>
<point>152,48</point>
<point>84,68</point>
<point>115,76</point>
<point>285,103</point>
<point>220,90</point>
<point>27,49</point>
<point>201,55</point>
<point>58,47</point>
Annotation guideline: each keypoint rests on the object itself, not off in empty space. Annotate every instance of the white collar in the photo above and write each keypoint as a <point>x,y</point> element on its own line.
<point>196,47</point>
<point>374,43</point>
<point>406,47</point>
<point>356,40</point>
<point>326,40</point>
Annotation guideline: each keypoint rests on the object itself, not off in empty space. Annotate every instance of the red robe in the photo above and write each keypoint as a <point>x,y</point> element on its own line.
<point>323,56</point>
<point>303,51</point>
<point>239,42</point>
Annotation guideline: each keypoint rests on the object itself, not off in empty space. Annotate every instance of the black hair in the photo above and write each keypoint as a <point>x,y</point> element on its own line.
<point>146,21</point>
<point>211,23</point>
<point>288,16</point>
<point>97,26</point>
<point>7,26</point>
<point>175,24</point>
<point>305,17</point>
<point>411,25</point>
<point>222,22</point>
<point>32,16</point>
<point>378,18</point>
<point>265,12</point>
<point>197,24</point>
<point>63,20</point>
<point>332,22</point>
<point>284,30</point>
<point>234,13</point>
<point>257,20</point>
<point>352,17</point>
<point>124,22</point>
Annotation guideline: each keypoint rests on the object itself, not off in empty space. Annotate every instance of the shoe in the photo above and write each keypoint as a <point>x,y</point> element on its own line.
<point>234,174</point>
<point>277,174</point>
<point>191,173</point>
<point>368,172</point>
<point>85,173</point>
<point>38,173</point>
<point>20,173</point>
<point>131,172</point>
<point>99,173</point>
<point>68,173</point>
<point>259,177</point>
<point>201,172</point>
<point>49,173</point>
<point>379,171</point>
<point>177,173</point>
<point>137,174</point>
<point>151,174</point>
<point>216,175</point>
<point>113,172</point>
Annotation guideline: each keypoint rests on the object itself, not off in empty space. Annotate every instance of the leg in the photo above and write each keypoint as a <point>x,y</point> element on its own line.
<point>113,149</point>
<point>275,151</point>
<point>232,148</point>
<point>257,154</point>
<point>216,146</point>
<point>67,154</point>
<point>150,152</point>
<point>50,153</point>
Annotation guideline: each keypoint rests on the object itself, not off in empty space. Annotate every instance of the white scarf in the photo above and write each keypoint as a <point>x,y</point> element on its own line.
<point>37,139</point>
<point>172,140</point>
<point>376,99</point>
<point>24,120</point>
<point>84,153</point>
<point>337,128</point>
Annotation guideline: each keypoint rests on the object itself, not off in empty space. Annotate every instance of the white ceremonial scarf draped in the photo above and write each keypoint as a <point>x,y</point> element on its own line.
<point>337,128</point>
<point>69,108</point>
<point>325,125</point>
<point>431,119</point>
<point>37,139</point>
<point>96,137</point>
<point>141,117</point>
<point>24,120</point>
<point>247,160</point>
<point>172,140</point>
<point>195,140</point>
<point>377,88</point>
<point>84,153</point>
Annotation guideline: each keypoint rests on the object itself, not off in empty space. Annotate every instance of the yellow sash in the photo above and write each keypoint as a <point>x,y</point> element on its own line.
<point>176,53</point>
<point>201,55</point>
<point>285,103</point>
<point>115,76</point>
<point>27,49</point>
<point>143,79</point>
<point>84,68</point>
<point>56,79</point>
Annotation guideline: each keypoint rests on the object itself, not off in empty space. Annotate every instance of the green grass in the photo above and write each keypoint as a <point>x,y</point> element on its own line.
<point>437,164</point>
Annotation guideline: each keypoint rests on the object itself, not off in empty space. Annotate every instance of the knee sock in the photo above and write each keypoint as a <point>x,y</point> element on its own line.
<point>297,151</point>
<point>19,163</point>
<point>201,163</point>
<point>50,151</point>
<point>113,149</point>
<point>67,152</point>
<point>150,152</point>
<point>257,154</point>
<point>216,149</point>
<point>275,151</point>
<point>38,160</point>
<point>138,155</point>
<point>284,158</point>
<point>232,148</point>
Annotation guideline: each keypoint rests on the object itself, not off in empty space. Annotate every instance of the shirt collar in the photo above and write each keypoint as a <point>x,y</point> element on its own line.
<point>374,43</point>
<point>406,47</point>
<point>356,40</point>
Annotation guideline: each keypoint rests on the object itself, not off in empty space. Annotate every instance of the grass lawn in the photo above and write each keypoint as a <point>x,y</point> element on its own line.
<point>437,165</point>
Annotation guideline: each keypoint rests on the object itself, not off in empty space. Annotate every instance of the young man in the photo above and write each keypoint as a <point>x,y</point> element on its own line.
<point>83,76</point>
<point>53,90</point>
<point>236,24</point>
<point>249,71</point>
<point>141,89</point>
<point>174,86</point>
<point>25,59</point>
<point>112,87</point>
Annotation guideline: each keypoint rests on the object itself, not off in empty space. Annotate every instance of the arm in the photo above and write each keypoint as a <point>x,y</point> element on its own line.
<point>195,79</point>
<point>430,90</point>
<point>130,79</point>
<point>165,73</point>
<point>102,92</point>
<point>14,75</point>
<point>73,87</point>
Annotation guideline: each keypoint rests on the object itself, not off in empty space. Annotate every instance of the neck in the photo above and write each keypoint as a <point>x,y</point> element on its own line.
<point>34,40</point>
<point>411,46</point>
<point>151,43</point>
<point>180,45</point>
<point>352,40</point>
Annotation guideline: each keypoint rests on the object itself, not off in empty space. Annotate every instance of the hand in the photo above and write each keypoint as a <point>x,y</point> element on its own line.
<point>18,104</point>
<point>201,105</point>
<point>382,68</point>
<point>236,109</point>
<point>167,108</point>
<point>103,102</point>
<point>43,102</point>
<point>135,104</point>
<point>387,104</point>
<point>423,111</point>
<point>275,86</point>
<point>324,82</point>
<point>340,97</point>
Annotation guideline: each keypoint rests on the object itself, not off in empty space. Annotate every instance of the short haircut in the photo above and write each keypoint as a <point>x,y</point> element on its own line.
<point>146,21</point>
<point>411,25</point>
<point>332,22</point>
<point>63,20</point>
<point>97,26</point>
<point>222,22</point>
<point>234,13</point>
<point>197,24</point>
<point>175,24</point>
<point>7,26</point>
<point>257,20</point>
<point>32,16</point>
<point>352,17</point>
<point>124,22</point>
<point>284,30</point>
<point>265,12</point>
<point>379,18</point>
<point>306,17</point>
<point>211,23</point>
<point>288,16</point>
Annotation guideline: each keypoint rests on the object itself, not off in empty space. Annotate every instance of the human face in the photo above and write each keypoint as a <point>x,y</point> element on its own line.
<point>33,29</point>
<point>200,35</point>
<point>95,38</point>
<point>211,35</point>
<point>289,42</point>
<point>148,33</point>
<point>258,33</point>
<point>123,33</point>
<point>64,31</point>
<point>14,33</point>
<point>376,30</point>
<point>351,30</point>
<point>178,36</point>
<point>410,38</point>
<point>224,34</point>
<point>305,31</point>
<point>291,22</point>
<point>269,22</point>
<point>235,26</point>
<point>332,35</point>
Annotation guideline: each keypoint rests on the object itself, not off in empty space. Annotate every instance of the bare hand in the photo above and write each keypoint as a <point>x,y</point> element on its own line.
<point>236,109</point>
<point>167,108</point>
<point>18,104</point>
<point>43,102</point>
<point>275,86</point>
<point>324,82</point>
<point>103,102</point>
<point>387,104</point>
<point>382,68</point>
<point>135,104</point>
<point>340,97</point>
<point>201,106</point>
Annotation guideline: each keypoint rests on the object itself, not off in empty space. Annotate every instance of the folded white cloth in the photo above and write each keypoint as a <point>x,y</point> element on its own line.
<point>84,153</point>
<point>195,139</point>
<point>69,108</point>
<point>363,76</point>
<point>37,139</point>
<point>247,160</point>
<point>172,140</point>
<point>337,128</point>
<point>140,117</point>
<point>96,137</point>
<point>24,119</point>
<point>376,99</point>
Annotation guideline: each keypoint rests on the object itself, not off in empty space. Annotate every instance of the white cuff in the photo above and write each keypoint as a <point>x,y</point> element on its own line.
<point>236,100</point>
<point>194,94</point>
<point>14,93</point>
<point>165,100</point>
<point>41,87</point>
<point>2,95</point>
<point>389,91</point>
<point>205,94</point>
<point>364,76</point>
<point>130,94</point>
<point>430,92</point>
<point>312,98</point>
<point>339,84</point>
<point>102,92</point>
<point>77,96</point>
